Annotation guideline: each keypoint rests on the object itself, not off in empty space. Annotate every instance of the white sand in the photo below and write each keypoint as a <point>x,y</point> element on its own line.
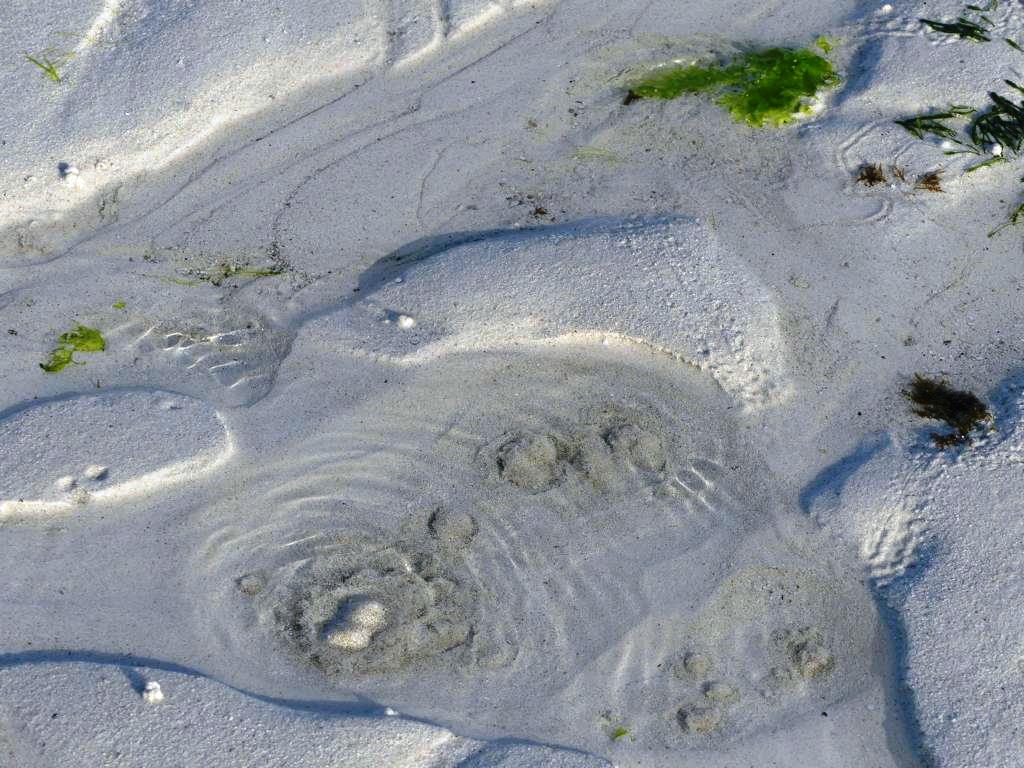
<point>104,715</point>
<point>450,408</point>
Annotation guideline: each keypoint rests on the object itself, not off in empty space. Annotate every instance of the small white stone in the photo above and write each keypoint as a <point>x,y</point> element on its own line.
<point>405,322</point>
<point>996,150</point>
<point>66,484</point>
<point>95,472</point>
<point>152,694</point>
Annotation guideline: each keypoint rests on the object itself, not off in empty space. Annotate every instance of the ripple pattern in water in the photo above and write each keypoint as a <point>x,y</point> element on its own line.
<point>564,525</point>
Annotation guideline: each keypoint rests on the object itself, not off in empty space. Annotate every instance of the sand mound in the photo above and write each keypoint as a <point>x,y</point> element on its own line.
<point>68,451</point>
<point>365,606</point>
<point>673,289</point>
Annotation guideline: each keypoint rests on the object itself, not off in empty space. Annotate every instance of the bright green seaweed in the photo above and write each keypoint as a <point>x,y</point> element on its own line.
<point>769,86</point>
<point>81,339</point>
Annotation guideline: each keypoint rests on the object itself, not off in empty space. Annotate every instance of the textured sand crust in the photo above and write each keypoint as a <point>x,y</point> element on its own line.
<point>233,355</point>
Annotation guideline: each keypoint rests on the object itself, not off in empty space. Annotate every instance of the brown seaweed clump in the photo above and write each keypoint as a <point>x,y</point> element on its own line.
<point>871,174</point>
<point>930,182</point>
<point>961,411</point>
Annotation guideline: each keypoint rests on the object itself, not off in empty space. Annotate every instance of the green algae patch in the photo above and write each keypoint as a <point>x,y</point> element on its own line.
<point>961,411</point>
<point>673,82</point>
<point>766,87</point>
<point>620,732</point>
<point>81,339</point>
<point>59,359</point>
<point>615,729</point>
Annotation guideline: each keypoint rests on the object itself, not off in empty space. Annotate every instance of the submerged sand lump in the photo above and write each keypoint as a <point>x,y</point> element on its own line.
<point>355,606</point>
<point>606,457</point>
<point>358,620</point>
<point>805,652</point>
<point>805,659</point>
<point>370,607</point>
<point>700,719</point>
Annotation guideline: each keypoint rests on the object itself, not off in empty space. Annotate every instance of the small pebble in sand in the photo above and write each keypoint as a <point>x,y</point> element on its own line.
<point>152,694</point>
<point>406,323</point>
<point>250,584</point>
<point>95,472</point>
<point>66,484</point>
